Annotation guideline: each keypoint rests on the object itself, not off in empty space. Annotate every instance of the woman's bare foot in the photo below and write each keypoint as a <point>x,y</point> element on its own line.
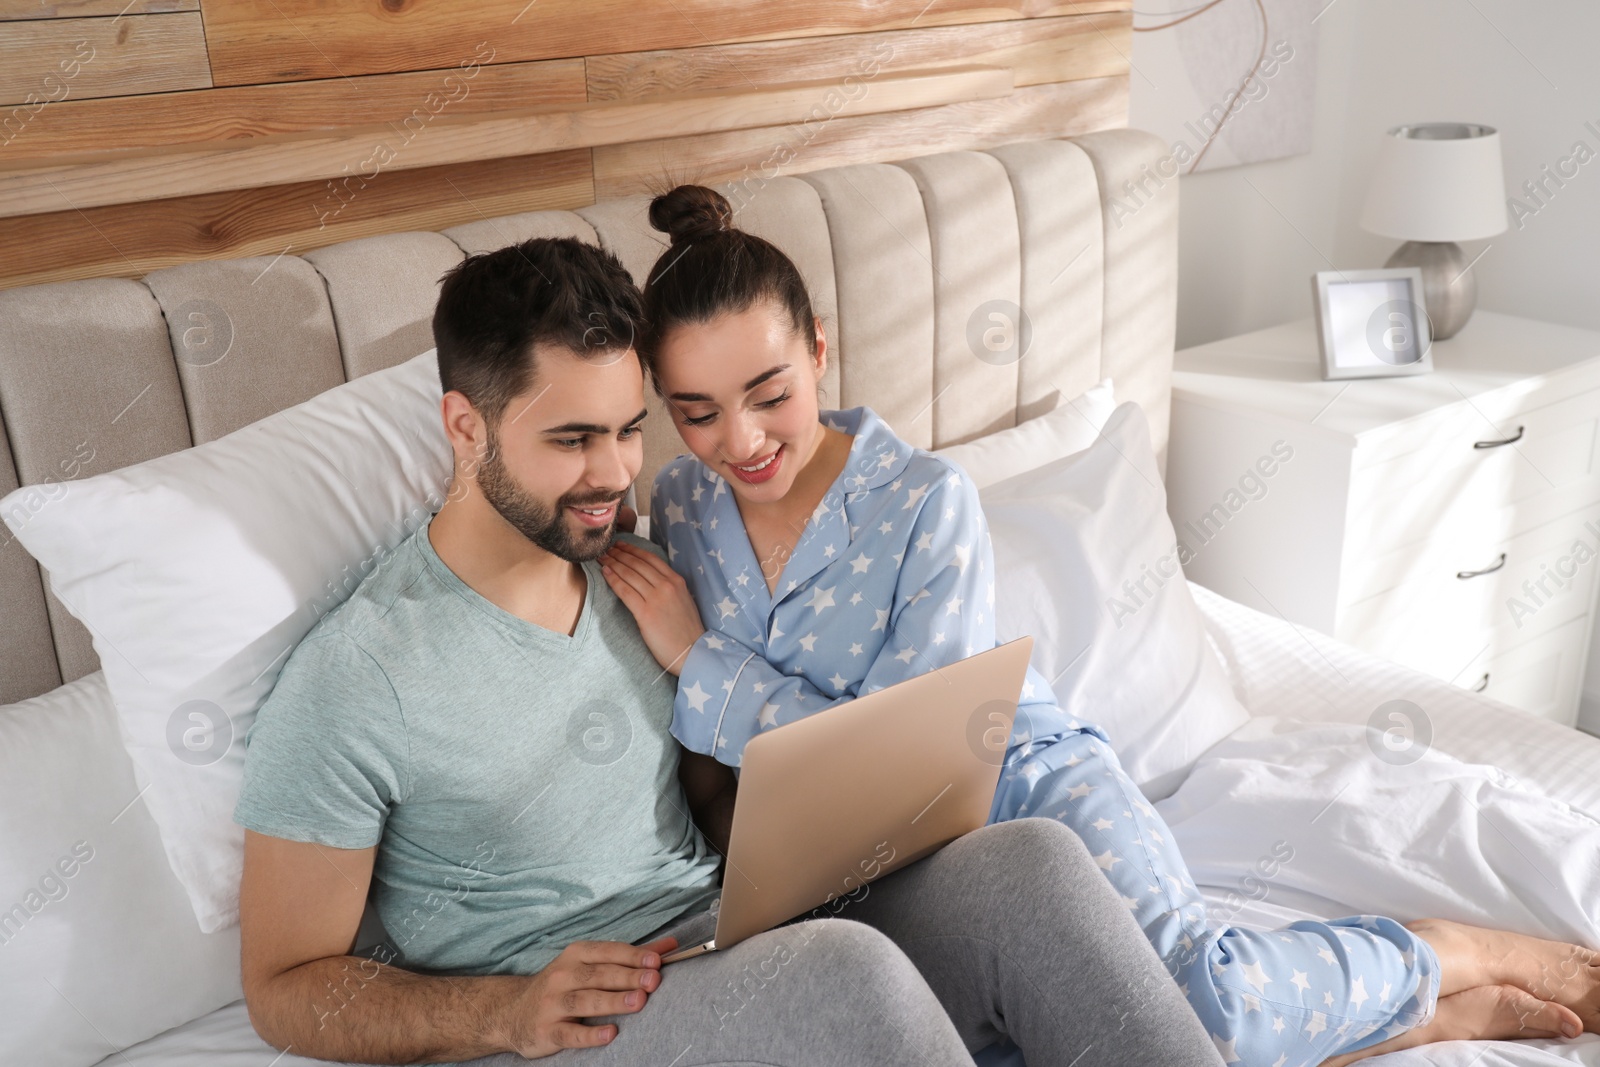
<point>1472,956</point>
<point>1484,1013</point>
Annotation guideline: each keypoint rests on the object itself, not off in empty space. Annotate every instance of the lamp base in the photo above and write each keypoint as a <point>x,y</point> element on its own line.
<point>1449,288</point>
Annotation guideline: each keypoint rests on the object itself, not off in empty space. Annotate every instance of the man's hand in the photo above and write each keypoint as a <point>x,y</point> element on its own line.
<point>660,601</point>
<point>588,979</point>
<point>300,908</point>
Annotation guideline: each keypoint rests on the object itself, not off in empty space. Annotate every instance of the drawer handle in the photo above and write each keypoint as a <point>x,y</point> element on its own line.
<point>1483,683</point>
<point>1496,444</point>
<point>1501,562</point>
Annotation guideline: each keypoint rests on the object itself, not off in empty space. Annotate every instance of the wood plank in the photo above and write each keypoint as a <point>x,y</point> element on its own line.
<point>66,9</point>
<point>289,107</point>
<point>1065,109</point>
<point>1036,50</point>
<point>255,41</point>
<point>349,155</point>
<point>129,240</point>
<point>48,60</point>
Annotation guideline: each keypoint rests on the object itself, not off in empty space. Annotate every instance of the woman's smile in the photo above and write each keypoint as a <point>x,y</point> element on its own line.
<point>761,470</point>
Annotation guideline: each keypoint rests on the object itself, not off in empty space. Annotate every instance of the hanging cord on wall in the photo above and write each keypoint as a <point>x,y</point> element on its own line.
<point>1191,13</point>
<point>1261,55</point>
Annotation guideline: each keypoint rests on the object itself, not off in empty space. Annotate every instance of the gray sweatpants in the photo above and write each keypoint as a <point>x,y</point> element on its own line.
<point>1010,931</point>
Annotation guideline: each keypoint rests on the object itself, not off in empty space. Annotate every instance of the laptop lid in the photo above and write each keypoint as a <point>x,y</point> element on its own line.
<point>833,801</point>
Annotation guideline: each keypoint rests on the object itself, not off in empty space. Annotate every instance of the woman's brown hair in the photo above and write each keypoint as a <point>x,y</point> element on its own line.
<point>713,268</point>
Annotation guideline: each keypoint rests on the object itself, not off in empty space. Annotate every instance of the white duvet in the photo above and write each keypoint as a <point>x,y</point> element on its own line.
<point>1438,837</point>
<point>1493,824</point>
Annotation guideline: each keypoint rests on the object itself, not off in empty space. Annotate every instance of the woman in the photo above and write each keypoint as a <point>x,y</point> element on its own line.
<point>829,558</point>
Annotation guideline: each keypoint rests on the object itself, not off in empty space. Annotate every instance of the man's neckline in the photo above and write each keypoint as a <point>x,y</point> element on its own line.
<point>497,614</point>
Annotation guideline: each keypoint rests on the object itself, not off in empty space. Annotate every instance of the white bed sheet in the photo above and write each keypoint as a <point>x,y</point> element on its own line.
<point>1294,672</point>
<point>1494,825</point>
<point>224,1038</point>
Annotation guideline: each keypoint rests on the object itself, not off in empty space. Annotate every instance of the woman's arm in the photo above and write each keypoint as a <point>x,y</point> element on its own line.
<point>941,611</point>
<point>710,788</point>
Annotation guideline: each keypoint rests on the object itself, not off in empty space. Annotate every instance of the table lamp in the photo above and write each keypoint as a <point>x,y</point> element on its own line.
<point>1434,184</point>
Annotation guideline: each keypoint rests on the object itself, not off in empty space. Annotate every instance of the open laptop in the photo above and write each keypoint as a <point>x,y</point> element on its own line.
<point>830,802</point>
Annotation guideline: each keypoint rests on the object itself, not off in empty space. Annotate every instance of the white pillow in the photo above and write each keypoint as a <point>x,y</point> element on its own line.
<point>98,945</point>
<point>1071,427</point>
<point>198,572</point>
<point>1087,562</point>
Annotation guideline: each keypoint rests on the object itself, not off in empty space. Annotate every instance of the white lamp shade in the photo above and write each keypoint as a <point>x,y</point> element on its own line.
<point>1438,181</point>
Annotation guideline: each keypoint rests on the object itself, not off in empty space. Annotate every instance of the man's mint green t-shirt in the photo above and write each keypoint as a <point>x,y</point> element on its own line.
<point>520,784</point>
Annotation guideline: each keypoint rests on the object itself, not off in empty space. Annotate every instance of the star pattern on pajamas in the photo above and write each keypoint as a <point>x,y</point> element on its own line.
<point>893,576</point>
<point>890,578</point>
<point>1288,997</point>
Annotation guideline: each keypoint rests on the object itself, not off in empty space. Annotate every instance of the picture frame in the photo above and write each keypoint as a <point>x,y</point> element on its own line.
<point>1372,323</point>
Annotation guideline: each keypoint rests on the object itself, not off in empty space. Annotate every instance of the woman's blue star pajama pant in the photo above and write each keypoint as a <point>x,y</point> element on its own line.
<point>1277,998</point>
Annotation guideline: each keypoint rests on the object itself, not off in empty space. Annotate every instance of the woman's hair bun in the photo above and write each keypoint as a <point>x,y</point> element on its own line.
<point>690,213</point>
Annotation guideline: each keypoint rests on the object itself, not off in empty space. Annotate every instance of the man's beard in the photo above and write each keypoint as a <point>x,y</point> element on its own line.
<point>548,529</point>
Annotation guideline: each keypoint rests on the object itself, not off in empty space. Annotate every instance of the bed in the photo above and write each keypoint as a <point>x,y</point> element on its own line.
<point>1493,823</point>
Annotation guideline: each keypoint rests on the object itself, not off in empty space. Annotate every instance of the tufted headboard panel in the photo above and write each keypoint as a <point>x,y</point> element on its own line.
<point>907,262</point>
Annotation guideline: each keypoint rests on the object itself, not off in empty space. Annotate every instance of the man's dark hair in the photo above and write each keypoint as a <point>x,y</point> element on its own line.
<point>494,308</point>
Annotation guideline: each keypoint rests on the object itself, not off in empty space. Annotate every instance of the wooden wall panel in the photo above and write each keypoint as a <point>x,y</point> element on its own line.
<point>752,156</point>
<point>51,60</point>
<point>132,239</point>
<point>640,91</point>
<point>63,9</point>
<point>1036,50</point>
<point>282,40</point>
<point>73,126</point>
<point>437,139</point>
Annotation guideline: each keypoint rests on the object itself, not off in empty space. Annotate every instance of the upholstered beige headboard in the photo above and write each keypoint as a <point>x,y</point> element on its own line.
<point>902,259</point>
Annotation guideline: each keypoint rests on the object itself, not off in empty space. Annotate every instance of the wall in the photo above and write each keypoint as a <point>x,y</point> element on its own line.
<point>1526,69</point>
<point>136,134</point>
<point>1252,236</point>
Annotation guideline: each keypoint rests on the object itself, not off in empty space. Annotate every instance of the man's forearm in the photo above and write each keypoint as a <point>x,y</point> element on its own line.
<point>356,1009</point>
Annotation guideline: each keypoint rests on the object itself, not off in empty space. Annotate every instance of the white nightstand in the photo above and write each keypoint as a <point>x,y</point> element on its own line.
<point>1450,521</point>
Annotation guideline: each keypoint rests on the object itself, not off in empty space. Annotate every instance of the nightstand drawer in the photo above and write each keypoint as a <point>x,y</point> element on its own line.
<point>1483,595</point>
<point>1456,549</point>
<point>1552,467</point>
<point>1418,445</point>
<point>1542,675</point>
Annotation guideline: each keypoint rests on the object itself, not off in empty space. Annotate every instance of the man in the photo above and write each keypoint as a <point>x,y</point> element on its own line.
<point>480,734</point>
